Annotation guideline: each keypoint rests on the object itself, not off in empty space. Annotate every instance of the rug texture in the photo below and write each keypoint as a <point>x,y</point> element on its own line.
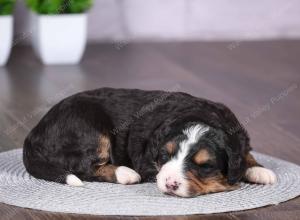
<point>18,188</point>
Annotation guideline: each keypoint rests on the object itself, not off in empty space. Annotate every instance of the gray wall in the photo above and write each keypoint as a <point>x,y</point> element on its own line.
<point>125,20</point>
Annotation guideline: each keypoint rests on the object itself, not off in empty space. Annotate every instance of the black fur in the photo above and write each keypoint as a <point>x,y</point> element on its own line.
<point>138,123</point>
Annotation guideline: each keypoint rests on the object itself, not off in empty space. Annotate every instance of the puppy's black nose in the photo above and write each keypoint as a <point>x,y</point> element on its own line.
<point>172,186</point>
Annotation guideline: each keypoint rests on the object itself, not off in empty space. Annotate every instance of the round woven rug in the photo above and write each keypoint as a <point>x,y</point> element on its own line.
<point>18,188</point>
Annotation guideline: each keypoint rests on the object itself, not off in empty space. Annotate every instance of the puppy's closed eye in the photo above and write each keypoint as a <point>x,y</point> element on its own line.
<point>207,165</point>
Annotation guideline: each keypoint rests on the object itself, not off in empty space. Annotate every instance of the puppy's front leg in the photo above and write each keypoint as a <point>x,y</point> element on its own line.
<point>257,173</point>
<point>114,174</point>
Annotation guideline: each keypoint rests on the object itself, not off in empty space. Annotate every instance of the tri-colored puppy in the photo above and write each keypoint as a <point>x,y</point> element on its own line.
<point>188,145</point>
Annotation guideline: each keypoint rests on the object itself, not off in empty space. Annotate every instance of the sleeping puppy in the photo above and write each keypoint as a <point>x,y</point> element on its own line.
<point>189,146</point>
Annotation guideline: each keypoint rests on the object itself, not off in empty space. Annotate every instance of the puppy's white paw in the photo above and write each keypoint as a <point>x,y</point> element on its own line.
<point>126,175</point>
<point>260,175</point>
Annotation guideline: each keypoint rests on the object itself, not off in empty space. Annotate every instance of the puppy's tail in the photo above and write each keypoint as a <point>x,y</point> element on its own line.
<point>43,170</point>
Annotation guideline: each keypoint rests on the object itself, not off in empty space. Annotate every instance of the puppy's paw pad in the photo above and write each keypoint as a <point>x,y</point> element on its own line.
<point>126,175</point>
<point>260,175</point>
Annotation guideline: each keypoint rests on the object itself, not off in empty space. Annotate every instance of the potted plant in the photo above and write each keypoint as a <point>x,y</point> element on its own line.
<point>6,29</point>
<point>59,29</point>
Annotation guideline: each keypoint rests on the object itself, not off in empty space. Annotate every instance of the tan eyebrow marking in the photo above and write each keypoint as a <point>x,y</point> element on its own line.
<point>202,156</point>
<point>171,146</point>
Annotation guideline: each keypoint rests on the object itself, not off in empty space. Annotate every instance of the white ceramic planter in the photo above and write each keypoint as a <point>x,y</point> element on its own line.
<point>6,36</point>
<point>59,39</point>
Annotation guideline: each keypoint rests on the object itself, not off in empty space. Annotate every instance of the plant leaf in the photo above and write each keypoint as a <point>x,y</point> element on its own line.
<point>7,7</point>
<point>59,6</point>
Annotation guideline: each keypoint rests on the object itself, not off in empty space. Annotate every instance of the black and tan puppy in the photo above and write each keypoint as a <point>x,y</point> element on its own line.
<point>189,145</point>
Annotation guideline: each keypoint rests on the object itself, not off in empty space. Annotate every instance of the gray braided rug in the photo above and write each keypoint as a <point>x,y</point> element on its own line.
<point>19,189</point>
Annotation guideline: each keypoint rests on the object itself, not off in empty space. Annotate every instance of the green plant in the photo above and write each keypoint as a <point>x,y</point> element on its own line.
<point>7,7</point>
<point>59,6</point>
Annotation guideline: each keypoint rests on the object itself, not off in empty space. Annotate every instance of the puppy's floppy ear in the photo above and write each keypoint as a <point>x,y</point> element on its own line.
<point>238,144</point>
<point>236,161</point>
<point>236,166</point>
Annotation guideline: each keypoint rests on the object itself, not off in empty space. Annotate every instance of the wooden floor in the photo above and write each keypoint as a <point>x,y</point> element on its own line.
<point>259,81</point>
